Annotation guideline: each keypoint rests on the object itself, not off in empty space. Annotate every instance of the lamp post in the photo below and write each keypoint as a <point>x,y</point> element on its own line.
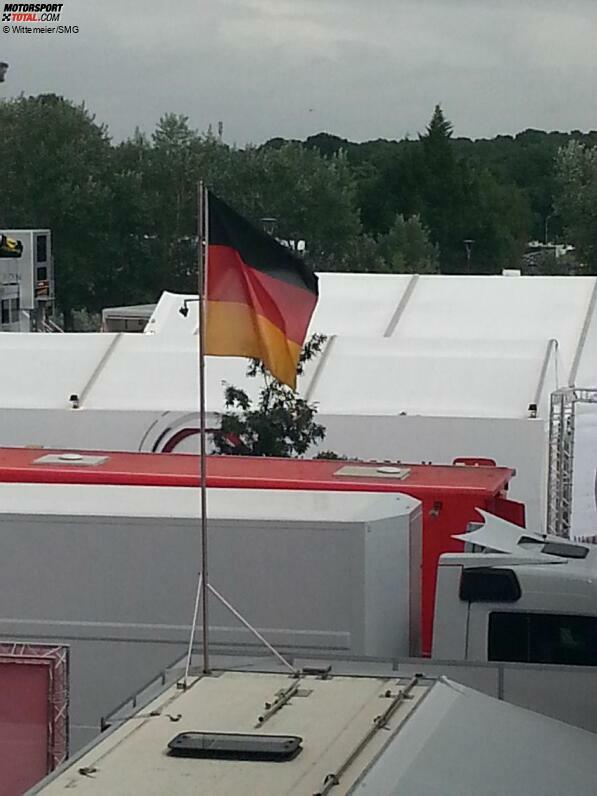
<point>468,247</point>
<point>548,218</point>
<point>269,225</point>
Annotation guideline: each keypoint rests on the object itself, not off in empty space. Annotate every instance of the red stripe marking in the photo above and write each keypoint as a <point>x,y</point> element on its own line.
<point>287,306</point>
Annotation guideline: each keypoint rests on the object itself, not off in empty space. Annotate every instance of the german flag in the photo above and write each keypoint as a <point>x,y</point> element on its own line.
<point>259,295</point>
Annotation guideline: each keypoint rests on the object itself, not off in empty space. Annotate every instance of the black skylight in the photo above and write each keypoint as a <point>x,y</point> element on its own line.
<point>235,746</point>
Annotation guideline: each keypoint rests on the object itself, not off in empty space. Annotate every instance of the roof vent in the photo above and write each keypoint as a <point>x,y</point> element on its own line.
<point>373,471</point>
<point>77,459</point>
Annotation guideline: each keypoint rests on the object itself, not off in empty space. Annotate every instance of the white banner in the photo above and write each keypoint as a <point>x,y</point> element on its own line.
<point>584,483</point>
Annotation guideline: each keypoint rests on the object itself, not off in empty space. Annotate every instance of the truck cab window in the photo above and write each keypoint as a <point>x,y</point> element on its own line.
<point>563,639</point>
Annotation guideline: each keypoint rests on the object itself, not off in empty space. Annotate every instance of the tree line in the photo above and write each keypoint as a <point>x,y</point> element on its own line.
<point>123,214</point>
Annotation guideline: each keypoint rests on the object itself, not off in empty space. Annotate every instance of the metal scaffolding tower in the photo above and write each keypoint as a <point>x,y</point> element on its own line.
<point>562,417</point>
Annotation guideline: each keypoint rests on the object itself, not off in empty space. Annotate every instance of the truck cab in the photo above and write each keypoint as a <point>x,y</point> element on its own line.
<point>533,602</point>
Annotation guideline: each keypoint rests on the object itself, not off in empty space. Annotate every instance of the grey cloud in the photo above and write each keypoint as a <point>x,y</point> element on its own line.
<point>294,67</point>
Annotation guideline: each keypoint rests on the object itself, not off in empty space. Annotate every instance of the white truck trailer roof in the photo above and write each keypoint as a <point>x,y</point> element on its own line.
<point>433,737</point>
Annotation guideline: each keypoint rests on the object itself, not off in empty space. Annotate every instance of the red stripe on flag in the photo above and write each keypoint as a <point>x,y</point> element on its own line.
<point>287,306</point>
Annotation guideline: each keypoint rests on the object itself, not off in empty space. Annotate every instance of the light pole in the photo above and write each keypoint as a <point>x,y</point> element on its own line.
<point>548,218</point>
<point>269,225</point>
<point>468,247</point>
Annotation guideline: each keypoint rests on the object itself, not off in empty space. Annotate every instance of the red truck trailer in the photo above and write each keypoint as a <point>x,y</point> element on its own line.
<point>449,494</point>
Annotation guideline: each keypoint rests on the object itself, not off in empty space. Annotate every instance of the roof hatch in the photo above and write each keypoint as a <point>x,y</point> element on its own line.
<point>374,471</point>
<point>76,459</point>
<point>235,746</point>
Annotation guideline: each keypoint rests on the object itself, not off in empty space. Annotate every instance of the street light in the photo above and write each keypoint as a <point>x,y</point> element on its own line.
<point>184,308</point>
<point>269,225</point>
<point>468,246</point>
<point>548,218</point>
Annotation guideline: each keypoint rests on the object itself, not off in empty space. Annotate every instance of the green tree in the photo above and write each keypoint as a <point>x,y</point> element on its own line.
<point>443,190</point>
<point>129,272</point>
<point>406,248</point>
<point>361,256</point>
<point>576,199</point>
<point>171,174</point>
<point>279,423</point>
<point>439,156</point>
<point>55,173</point>
<point>311,197</point>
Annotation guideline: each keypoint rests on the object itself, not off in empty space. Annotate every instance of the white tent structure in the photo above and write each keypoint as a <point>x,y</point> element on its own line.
<point>406,307</point>
<point>415,368</point>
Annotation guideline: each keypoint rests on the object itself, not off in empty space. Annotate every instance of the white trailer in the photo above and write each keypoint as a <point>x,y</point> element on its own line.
<point>112,571</point>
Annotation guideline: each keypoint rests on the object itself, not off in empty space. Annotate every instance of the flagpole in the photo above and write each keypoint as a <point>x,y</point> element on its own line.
<point>203,249</point>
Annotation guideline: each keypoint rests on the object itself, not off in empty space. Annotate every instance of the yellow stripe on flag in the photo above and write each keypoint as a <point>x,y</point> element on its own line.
<point>235,329</point>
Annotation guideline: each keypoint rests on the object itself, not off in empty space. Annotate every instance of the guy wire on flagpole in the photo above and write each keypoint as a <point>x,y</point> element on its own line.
<point>187,667</point>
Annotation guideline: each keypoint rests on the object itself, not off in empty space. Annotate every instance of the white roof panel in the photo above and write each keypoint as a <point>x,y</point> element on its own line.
<point>462,743</point>
<point>357,304</point>
<point>331,717</point>
<point>444,739</point>
<point>78,500</point>
<point>424,377</point>
<point>167,319</point>
<point>499,308</point>
<point>463,346</point>
<point>42,371</point>
<point>586,375</point>
<point>161,373</point>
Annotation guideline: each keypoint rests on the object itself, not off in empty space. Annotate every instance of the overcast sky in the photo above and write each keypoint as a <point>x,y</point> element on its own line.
<point>360,69</point>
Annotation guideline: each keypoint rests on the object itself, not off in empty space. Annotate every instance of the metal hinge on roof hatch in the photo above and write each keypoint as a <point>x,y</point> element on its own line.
<point>282,698</point>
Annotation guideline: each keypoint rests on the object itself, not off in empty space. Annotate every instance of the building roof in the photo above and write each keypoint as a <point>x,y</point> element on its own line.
<point>35,465</point>
<point>507,311</point>
<point>132,311</point>
<point>442,346</point>
<point>435,737</point>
